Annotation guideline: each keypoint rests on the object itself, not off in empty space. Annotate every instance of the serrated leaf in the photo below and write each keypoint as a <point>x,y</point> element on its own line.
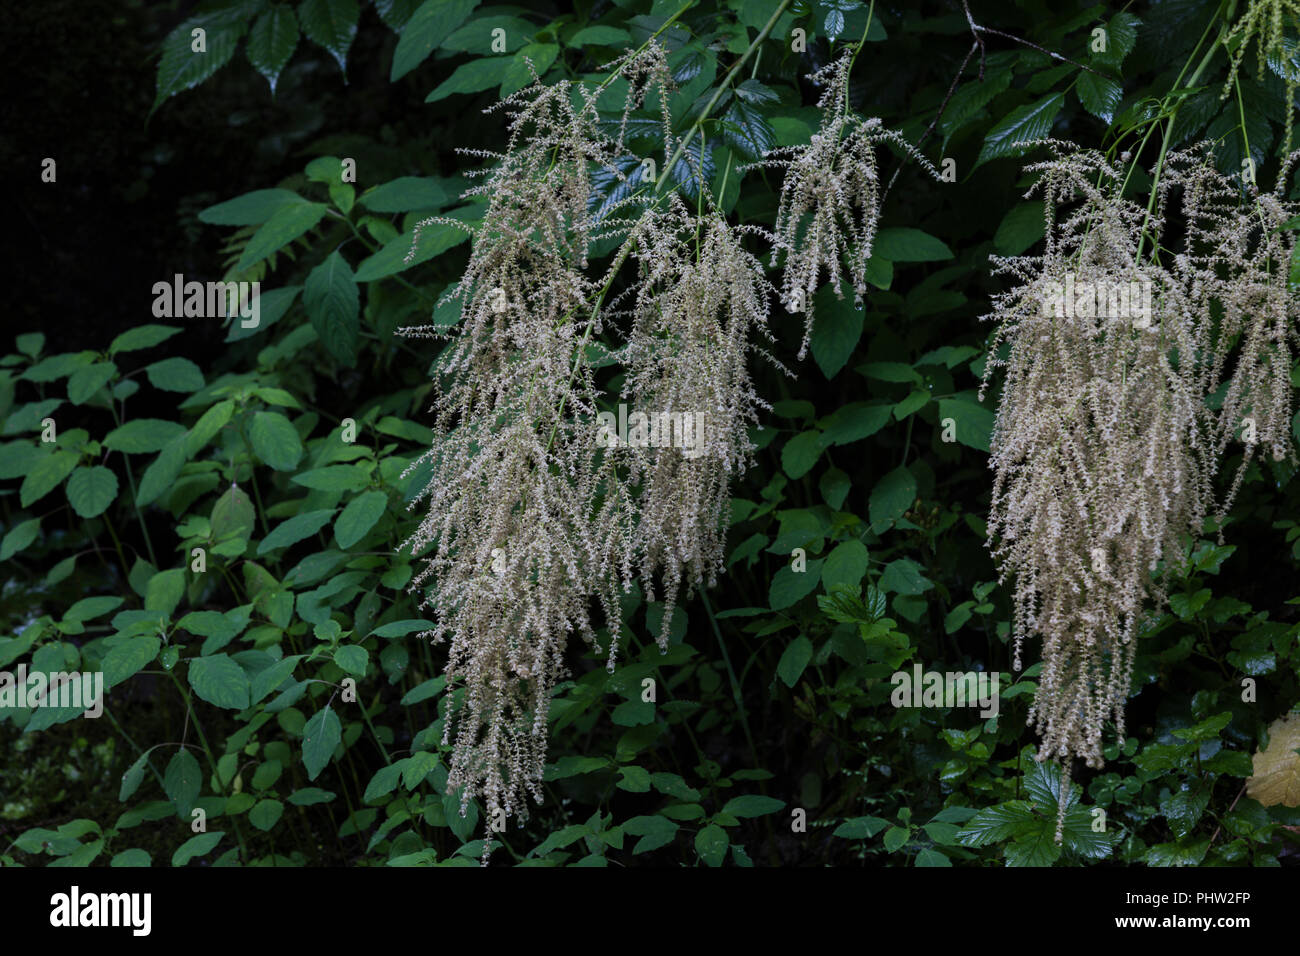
<point>1024,124</point>
<point>284,226</point>
<point>220,681</point>
<point>322,733</point>
<point>1276,780</point>
<point>275,440</point>
<point>182,781</point>
<point>891,498</point>
<point>331,24</point>
<point>175,375</point>
<point>91,490</point>
<point>143,435</point>
<point>430,24</point>
<point>271,42</point>
<point>360,515</point>
<point>250,209</point>
<point>333,304</point>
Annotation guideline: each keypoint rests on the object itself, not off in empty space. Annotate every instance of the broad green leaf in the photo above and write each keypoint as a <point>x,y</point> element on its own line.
<point>199,845</point>
<point>433,241</point>
<point>275,440</point>
<point>352,658</point>
<point>845,565</point>
<point>518,75</point>
<point>904,244</point>
<point>175,375</point>
<point>1099,95</point>
<point>271,42</point>
<point>182,781</point>
<point>91,490</point>
<point>790,586</point>
<point>1021,227</point>
<point>333,304</point>
<point>266,814</point>
<point>891,497</point>
<point>472,77</point>
<point>903,576</point>
<point>406,193</point>
<point>793,661</point>
<point>322,733</point>
<point>162,472</point>
<point>284,226</point>
<point>128,658</point>
<point>331,24</point>
<point>1024,124</point>
<point>251,209</point>
<point>46,475</point>
<point>360,515</point>
<point>182,67</point>
<point>164,590</point>
<point>134,857</point>
<point>220,681</point>
<point>752,805</point>
<point>143,435</point>
<point>232,515</point>
<point>272,677</point>
<point>431,23</point>
<point>133,777</point>
<point>972,424</point>
<point>801,453</point>
<point>837,326</point>
<point>19,537</point>
<point>290,532</point>
<point>711,844</point>
<point>86,382</point>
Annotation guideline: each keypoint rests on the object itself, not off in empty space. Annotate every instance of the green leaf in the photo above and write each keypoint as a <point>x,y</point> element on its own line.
<point>182,781</point>
<point>746,130</point>
<point>199,845</point>
<point>472,77</point>
<point>310,796</point>
<point>904,576</point>
<point>752,805</point>
<point>794,660</point>
<point>175,375</point>
<point>1021,227</point>
<point>266,814</point>
<point>972,423</point>
<point>845,565</point>
<point>334,306</point>
<point>331,24</point>
<point>352,659</point>
<point>402,628</point>
<point>19,537</point>
<point>162,472</point>
<point>220,681</point>
<point>319,738</point>
<point>860,828</point>
<point>275,440</point>
<point>416,767</point>
<point>87,609</point>
<point>428,26</point>
<point>284,226</point>
<point>334,478</point>
<point>272,677</point>
<point>434,241</point>
<point>856,421</point>
<point>143,435</point>
<point>1023,124</point>
<point>1099,95</point>
<point>837,326</point>
<point>295,529</point>
<point>598,35</point>
<point>46,475</point>
<point>790,586</point>
<point>128,658</point>
<point>250,209</point>
<point>30,343</point>
<point>85,383</point>
<point>382,783</point>
<point>232,515</point>
<point>904,244</point>
<point>891,497</point>
<point>360,515</point>
<point>134,857</point>
<point>181,67</point>
<point>91,490</point>
<point>406,193</point>
<point>655,831</point>
<point>57,366</point>
<point>711,844</point>
<point>271,42</point>
<point>997,823</point>
<point>133,777</point>
<point>801,453</point>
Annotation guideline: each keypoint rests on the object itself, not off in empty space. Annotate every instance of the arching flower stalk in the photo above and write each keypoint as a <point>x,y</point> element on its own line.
<point>1104,447</point>
<point>830,198</point>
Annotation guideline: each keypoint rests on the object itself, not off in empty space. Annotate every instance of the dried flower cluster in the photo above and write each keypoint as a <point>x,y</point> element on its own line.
<point>1105,448</point>
<point>531,522</point>
<point>830,202</point>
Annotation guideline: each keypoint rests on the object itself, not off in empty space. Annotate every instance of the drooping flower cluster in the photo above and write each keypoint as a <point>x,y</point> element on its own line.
<point>1105,447</point>
<point>830,198</point>
<point>532,521</point>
